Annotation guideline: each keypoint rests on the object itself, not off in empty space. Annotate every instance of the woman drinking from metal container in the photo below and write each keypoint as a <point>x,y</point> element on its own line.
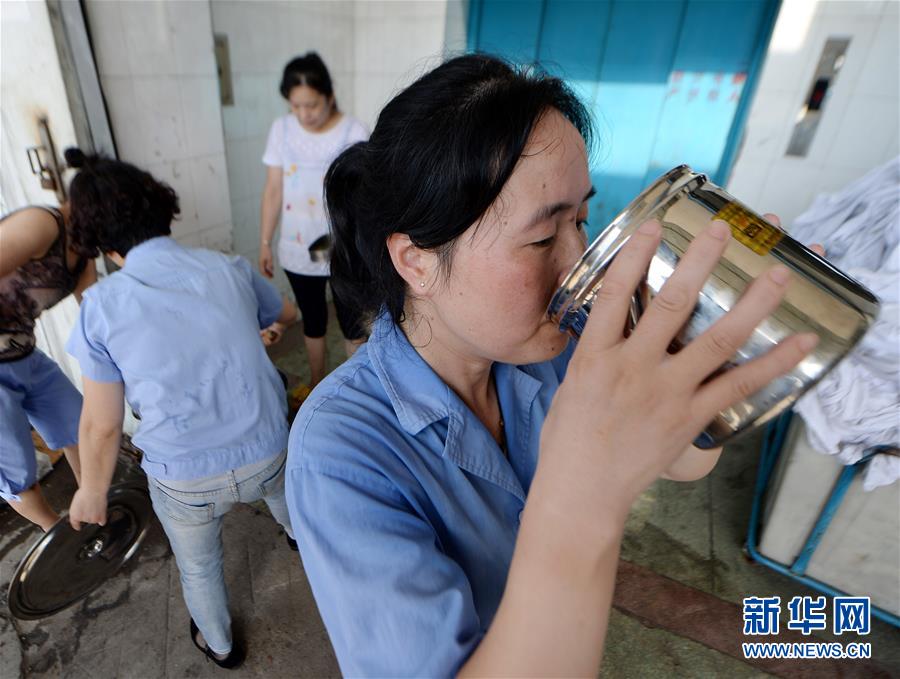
<point>459,488</point>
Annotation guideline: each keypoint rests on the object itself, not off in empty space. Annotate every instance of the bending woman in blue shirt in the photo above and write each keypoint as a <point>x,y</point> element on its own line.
<point>176,331</point>
<point>459,487</point>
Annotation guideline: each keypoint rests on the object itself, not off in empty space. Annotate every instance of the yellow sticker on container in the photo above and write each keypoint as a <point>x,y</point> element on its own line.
<point>754,232</point>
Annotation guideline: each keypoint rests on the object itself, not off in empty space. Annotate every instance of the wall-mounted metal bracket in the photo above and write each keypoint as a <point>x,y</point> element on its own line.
<point>45,163</point>
<point>223,67</point>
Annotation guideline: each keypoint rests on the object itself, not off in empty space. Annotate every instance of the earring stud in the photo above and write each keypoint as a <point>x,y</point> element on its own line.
<point>421,284</point>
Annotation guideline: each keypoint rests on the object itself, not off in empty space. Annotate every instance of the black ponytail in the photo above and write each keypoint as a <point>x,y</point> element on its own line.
<point>439,156</point>
<point>75,158</point>
<point>359,262</point>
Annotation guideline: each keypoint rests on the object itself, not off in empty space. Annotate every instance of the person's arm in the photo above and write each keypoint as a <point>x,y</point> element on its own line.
<point>289,313</point>
<point>25,235</point>
<point>288,316</point>
<point>274,312</point>
<point>595,461</point>
<point>100,427</point>
<point>87,279</point>
<point>99,439</point>
<point>268,220</point>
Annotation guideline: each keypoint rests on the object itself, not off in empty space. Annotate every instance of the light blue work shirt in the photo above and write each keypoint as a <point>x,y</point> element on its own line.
<point>404,506</point>
<point>180,327</point>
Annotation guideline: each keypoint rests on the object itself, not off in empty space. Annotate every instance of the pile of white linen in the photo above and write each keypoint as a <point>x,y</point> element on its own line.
<point>857,405</point>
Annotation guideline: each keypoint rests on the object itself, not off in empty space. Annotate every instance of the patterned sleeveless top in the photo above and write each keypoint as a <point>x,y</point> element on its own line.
<point>33,287</point>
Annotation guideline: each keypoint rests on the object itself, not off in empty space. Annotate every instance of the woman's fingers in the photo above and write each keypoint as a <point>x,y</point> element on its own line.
<point>270,335</point>
<point>774,219</point>
<point>606,323</point>
<point>266,266</point>
<point>674,303</point>
<point>740,383</point>
<point>722,341</point>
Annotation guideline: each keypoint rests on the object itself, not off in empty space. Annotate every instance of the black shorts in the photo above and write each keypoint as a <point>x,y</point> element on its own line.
<point>309,291</point>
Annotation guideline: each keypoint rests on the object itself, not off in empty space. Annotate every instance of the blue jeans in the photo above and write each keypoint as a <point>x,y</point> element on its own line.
<point>191,514</point>
<point>34,392</point>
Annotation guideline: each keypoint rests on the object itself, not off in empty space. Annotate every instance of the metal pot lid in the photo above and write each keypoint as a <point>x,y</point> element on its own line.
<point>66,565</point>
<point>320,250</point>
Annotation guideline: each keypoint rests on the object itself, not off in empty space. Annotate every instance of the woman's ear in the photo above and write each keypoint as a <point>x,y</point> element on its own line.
<point>416,266</point>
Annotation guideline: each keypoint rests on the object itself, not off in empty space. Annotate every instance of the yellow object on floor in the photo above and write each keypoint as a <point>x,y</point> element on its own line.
<point>297,396</point>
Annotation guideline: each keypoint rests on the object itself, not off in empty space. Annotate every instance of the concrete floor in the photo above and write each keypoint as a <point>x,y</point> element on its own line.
<point>677,601</point>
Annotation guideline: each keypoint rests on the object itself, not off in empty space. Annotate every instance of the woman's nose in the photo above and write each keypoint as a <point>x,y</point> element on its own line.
<point>573,246</point>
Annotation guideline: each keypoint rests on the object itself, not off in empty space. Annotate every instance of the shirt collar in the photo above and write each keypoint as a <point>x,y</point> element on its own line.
<point>417,394</point>
<point>148,250</point>
<point>420,397</point>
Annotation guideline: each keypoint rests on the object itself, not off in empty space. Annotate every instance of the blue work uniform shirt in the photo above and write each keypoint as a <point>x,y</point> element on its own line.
<point>180,327</point>
<point>404,506</point>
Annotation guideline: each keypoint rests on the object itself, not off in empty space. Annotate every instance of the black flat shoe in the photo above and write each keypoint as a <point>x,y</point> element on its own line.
<point>292,543</point>
<point>232,661</point>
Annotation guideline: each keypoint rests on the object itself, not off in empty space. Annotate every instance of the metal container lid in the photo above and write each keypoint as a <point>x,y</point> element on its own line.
<point>320,250</point>
<point>65,565</point>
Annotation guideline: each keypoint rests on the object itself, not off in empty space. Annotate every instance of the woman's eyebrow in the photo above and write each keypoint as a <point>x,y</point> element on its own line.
<point>547,211</point>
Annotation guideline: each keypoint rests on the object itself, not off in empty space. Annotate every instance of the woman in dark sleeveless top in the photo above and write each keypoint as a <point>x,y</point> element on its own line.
<point>38,268</point>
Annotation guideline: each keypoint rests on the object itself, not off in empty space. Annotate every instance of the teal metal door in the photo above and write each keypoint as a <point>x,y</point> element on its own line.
<point>668,81</point>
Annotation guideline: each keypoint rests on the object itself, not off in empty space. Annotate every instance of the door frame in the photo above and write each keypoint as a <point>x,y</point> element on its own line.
<point>80,78</point>
<point>735,138</point>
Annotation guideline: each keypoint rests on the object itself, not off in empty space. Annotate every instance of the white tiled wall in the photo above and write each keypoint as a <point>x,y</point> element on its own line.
<point>859,127</point>
<point>158,75</point>
<point>371,48</point>
<point>395,43</point>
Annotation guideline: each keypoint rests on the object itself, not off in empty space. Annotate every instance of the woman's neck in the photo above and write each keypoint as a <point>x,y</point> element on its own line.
<point>333,119</point>
<point>469,376</point>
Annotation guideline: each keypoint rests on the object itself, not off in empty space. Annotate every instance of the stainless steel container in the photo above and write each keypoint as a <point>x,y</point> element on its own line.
<point>819,299</point>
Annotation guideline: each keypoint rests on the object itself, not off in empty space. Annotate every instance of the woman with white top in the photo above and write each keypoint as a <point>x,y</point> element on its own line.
<point>301,146</point>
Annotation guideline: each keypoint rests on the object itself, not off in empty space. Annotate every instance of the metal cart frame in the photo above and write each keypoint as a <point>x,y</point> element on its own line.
<point>773,442</point>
